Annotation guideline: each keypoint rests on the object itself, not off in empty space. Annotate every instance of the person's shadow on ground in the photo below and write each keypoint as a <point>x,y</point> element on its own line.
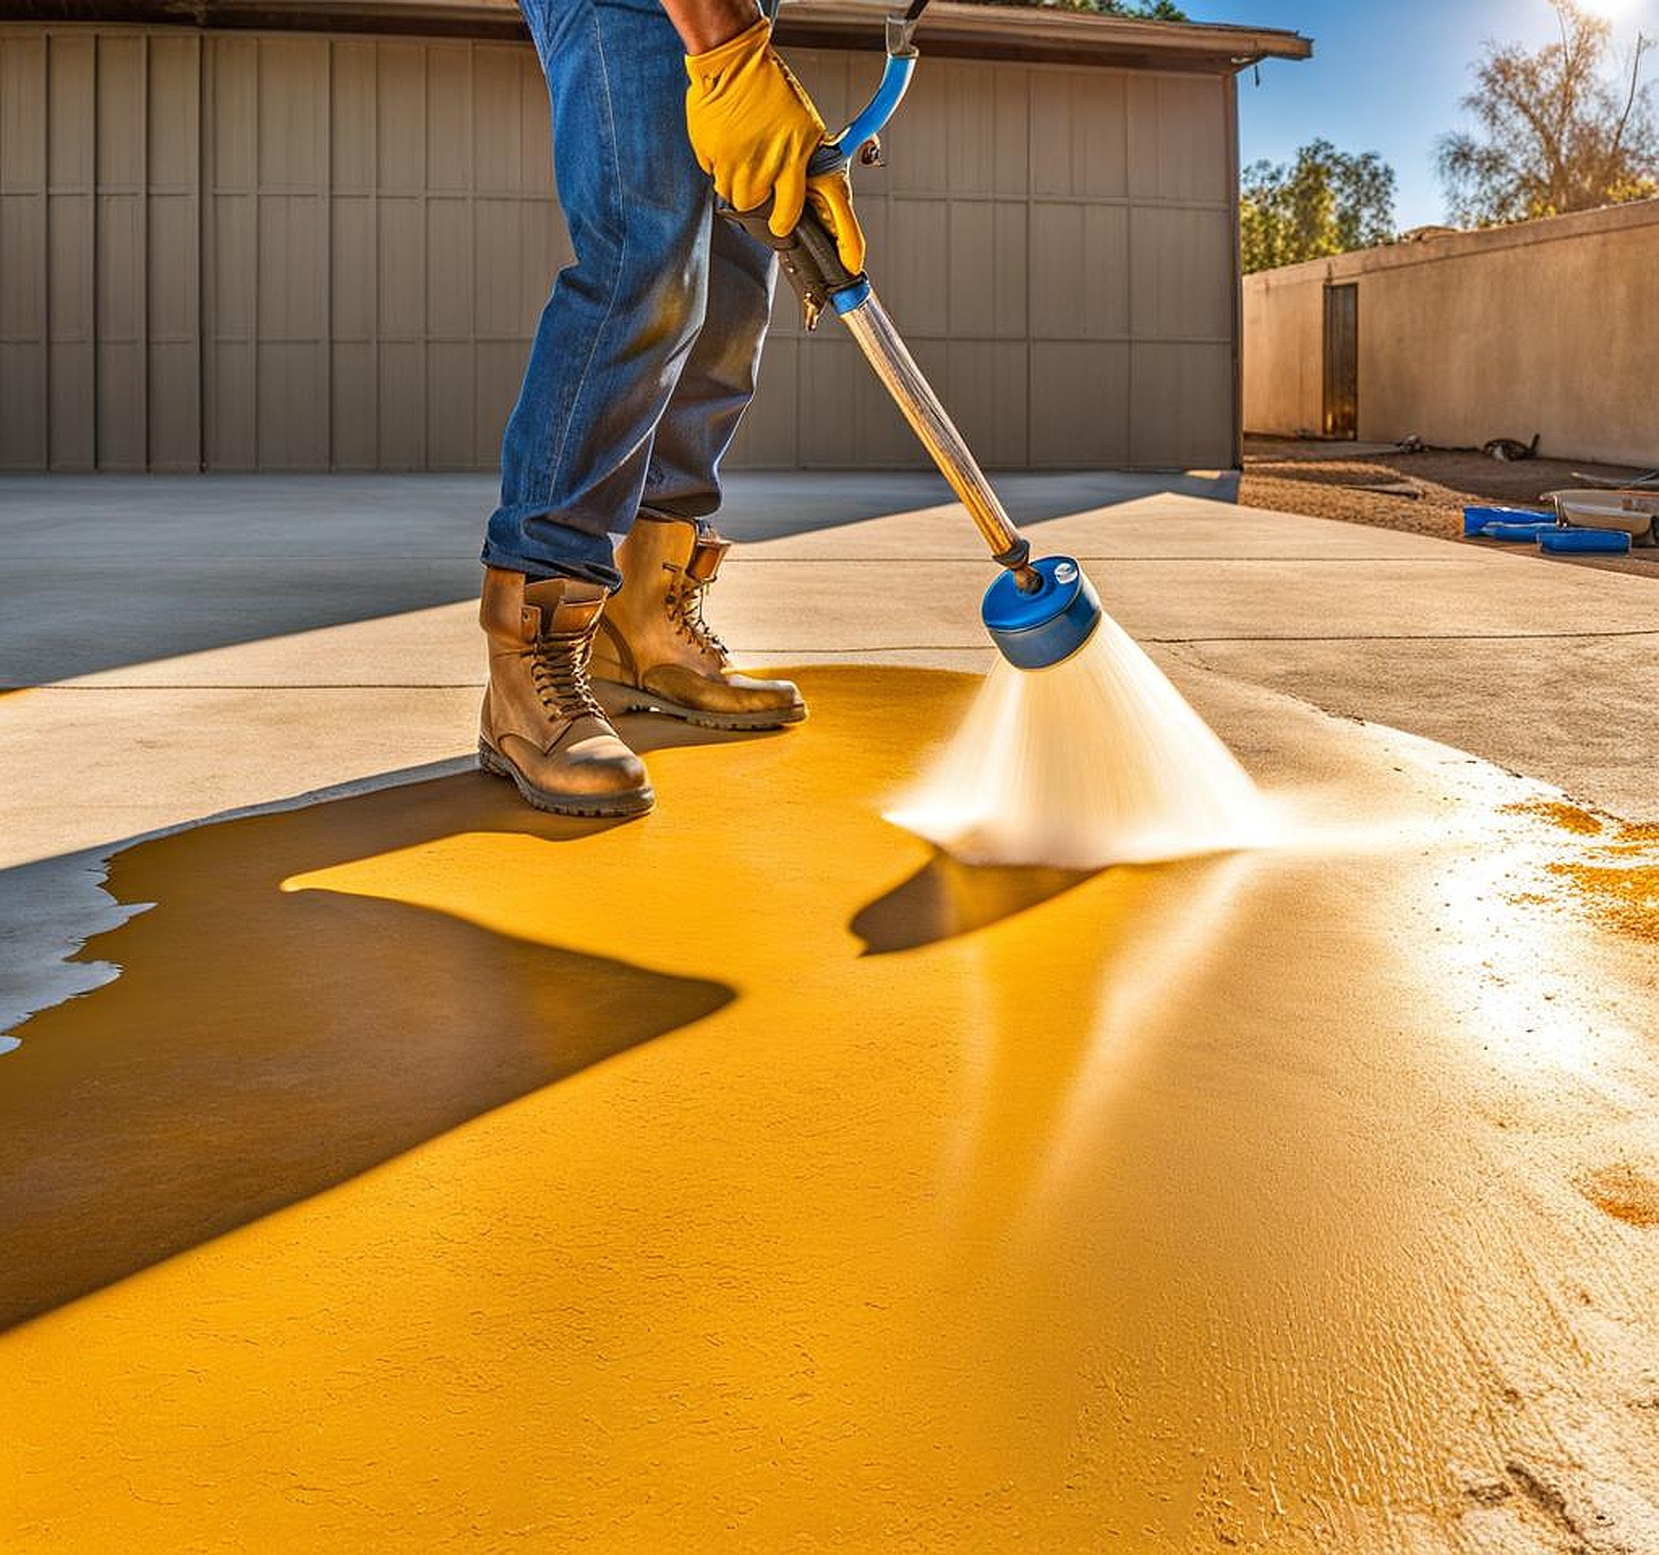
<point>262,1045</point>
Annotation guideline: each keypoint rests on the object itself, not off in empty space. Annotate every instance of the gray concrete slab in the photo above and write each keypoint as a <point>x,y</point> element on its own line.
<point>107,570</point>
<point>1165,525</point>
<point>1572,711</point>
<point>162,758</point>
<point>775,604</point>
<point>310,581</point>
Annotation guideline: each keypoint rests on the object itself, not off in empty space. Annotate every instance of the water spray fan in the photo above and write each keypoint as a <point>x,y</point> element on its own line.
<point>1098,760</point>
<point>1039,613</point>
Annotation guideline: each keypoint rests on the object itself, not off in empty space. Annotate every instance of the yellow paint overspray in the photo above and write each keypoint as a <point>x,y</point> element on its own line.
<point>1163,1211</point>
<point>1094,761</point>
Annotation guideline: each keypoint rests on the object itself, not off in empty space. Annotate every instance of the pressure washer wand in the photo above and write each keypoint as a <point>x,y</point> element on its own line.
<point>869,323</point>
<point>812,263</point>
<point>871,326</point>
<point>1038,613</point>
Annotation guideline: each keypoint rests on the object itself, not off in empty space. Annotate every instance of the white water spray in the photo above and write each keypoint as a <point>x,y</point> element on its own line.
<point>1096,761</point>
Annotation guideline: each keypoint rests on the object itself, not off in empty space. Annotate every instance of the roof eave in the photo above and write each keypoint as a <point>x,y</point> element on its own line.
<point>951,28</point>
<point>1038,32</point>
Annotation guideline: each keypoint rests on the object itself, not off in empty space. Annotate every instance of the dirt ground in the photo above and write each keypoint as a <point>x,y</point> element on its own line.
<point>1429,489</point>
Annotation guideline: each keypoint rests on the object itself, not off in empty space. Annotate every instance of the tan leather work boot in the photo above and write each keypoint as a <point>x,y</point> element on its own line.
<point>655,652</point>
<point>540,726</point>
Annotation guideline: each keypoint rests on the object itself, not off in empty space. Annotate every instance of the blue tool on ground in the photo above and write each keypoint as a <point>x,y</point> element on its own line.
<point>1476,519</point>
<point>1038,613</point>
<point>1612,542</point>
<point>1527,532</point>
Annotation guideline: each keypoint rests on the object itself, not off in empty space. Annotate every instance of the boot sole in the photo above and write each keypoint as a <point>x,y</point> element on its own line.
<point>618,699</point>
<point>595,807</point>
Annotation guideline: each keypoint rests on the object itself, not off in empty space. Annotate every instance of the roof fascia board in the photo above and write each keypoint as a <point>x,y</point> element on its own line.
<point>1011,32</point>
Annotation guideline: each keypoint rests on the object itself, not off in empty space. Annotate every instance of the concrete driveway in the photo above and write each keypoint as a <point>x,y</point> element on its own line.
<point>752,1178</point>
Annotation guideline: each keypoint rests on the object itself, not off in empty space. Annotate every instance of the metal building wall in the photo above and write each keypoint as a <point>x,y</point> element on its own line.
<point>284,251</point>
<point>99,203</point>
<point>383,236</point>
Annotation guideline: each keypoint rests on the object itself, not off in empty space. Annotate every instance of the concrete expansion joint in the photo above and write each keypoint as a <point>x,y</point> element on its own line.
<point>1209,558</point>
<point>1418,637</point>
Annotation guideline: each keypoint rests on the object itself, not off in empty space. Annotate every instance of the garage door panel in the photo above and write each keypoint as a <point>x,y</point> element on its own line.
<point>450,393</point>
<point>1079,404</point>
<point>1181,268</point>
<point>448,117</point>
<point>292,101</point>
<point>293,405</point>
<point>1178,141</point>
<point>1080,272</point>
<point>352,394</point>
<point>352,118</point>
<point>1182,405</point>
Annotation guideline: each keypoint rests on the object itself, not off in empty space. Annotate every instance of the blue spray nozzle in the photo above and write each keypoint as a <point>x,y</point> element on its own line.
<point>1043,627</point>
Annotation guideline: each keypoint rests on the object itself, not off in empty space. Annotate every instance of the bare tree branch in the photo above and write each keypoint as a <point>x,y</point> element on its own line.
<point>1558,131</point>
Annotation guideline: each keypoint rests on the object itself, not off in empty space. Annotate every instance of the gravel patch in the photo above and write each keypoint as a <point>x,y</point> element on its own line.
<point>1422,493</point>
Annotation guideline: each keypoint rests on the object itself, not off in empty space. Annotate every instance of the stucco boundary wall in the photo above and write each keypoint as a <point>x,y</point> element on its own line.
<point>1546,326</point>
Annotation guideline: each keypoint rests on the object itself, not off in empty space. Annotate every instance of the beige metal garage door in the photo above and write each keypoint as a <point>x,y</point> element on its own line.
<point>286,251</point>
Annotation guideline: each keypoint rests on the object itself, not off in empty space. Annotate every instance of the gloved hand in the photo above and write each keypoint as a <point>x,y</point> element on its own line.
<point>831,196</point>
<point>753,129</point>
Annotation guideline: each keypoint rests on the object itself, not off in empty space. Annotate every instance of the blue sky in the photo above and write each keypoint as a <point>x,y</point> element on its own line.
<point>1388,77</point>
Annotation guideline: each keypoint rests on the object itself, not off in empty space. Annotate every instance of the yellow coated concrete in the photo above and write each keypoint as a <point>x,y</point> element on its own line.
<point>440,1175</point>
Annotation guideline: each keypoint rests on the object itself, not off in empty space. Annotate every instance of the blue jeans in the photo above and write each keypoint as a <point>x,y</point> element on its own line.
<point>646,354</point>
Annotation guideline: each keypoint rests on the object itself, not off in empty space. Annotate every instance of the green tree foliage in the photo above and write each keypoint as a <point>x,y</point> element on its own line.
<point>1146,10</point>
<point>1325,202</point>
<point>1139,10</point>
<point>1560,129</point>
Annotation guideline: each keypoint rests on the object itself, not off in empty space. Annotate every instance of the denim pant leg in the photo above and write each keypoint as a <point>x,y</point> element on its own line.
<point>718,379</point>
<point>623,318</point>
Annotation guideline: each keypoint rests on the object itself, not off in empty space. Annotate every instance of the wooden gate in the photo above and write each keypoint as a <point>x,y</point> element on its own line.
<point>1342,361</point>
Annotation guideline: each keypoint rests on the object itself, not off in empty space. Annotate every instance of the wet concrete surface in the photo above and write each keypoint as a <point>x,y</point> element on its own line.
<point>753,1178</point>
<point>749,1178</point>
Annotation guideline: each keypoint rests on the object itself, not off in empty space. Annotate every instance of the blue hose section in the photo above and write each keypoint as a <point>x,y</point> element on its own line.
<point>895,82</point>
<point>1517,532</point>
<point>1614,542</point>
<point>850,297</point>
<point>834,155</point>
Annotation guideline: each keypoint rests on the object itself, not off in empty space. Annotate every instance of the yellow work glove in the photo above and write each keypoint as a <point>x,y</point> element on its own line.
<point>831,196</point>
<point>753,129</point>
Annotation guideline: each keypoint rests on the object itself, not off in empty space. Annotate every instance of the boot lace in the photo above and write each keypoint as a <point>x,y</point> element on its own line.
<point>685,611</point>
<point>559,668</point>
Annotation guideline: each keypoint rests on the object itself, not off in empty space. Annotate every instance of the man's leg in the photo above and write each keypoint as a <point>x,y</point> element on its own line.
<point>612,340</point>
<point>622,320</point>
<point>717,381</point>
<point>654,649</point>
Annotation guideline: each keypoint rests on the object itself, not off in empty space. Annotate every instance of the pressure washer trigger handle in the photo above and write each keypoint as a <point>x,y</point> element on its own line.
<point>808,257</point>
